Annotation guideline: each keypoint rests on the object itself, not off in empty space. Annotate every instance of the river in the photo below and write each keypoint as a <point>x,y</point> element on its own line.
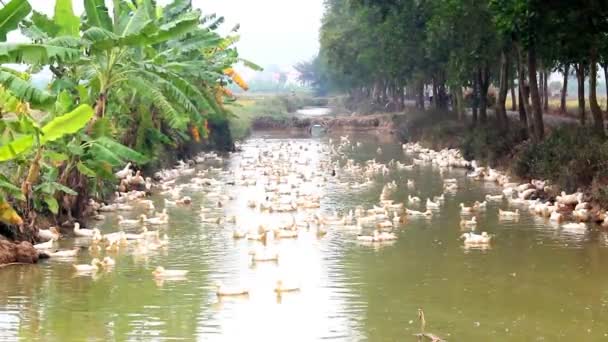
<point>535,283</point>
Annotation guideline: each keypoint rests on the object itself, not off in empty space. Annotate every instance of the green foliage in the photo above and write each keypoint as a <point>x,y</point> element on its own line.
<point>11,15</point>
<point>570,157</point>
<point>57,128</point>
<point>66,21</point>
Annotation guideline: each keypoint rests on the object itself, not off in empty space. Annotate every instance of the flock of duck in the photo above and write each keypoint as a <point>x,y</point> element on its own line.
<point>291,184</point>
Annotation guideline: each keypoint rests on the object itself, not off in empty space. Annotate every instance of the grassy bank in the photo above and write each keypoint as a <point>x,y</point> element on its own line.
<point>277,107</point>
<point>570,157</point>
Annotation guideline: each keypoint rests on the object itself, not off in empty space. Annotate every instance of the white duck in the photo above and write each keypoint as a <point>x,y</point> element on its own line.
<point>128,223</point>
<point>282,288</point>
<point>83,232</point>
<point>161,272</point>
<point>48,234</point>
<point>465,210</point>
<point>494,198</point>
<point>476,239</point>
<point>472,223</point>
<point>94,266</point>
<point>413,199</point>
<point>45,245</point>
<point>508,214</point>
<point>224,291</point>
<point>69,253</point>
<point>431,205</point>
<point>574,226</point>
<point>125,172</point>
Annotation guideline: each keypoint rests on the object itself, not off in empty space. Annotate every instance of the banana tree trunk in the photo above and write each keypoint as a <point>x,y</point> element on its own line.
<point>596,111</point>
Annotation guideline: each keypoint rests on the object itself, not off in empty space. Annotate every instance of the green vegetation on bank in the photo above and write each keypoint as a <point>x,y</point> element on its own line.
<point>128,85</point>
<point>276,107</point>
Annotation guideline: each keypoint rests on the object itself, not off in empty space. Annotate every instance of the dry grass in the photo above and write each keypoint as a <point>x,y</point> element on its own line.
<point>571,105</point>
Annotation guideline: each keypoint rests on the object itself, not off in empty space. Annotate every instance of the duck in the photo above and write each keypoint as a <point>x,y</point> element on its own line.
<point>68,253</point>
<point>427,214</point>
<point>469,224</point>
<point>205,219</point>
<point>474,239</point>
<point>92,267</point>
<point>264,256</point>
<point>159,220</point>
<point>413,199</point>
<point>45,245</point>
<point>282,288</point>
<point>83,232</point>
<point>574,226</point>
<point>239,234</point>
<point>125,172</point>
<point>556,217</point>
<point>411,184</point>
<point>161,272</point>
<point>369,238</point>
<point>107,262</point>
<point>572,199</point>
<point>129,223</point>
<point>494,198</point>
<point>508,214</point>
<point>480,205</point>
<point>432,205</point>
<point>465,210</point>
<point>48,234</point>
<point>224,291</point>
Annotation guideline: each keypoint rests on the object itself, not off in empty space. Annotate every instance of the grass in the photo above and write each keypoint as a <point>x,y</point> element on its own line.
<point>571,105</point>
<point>249,108</point>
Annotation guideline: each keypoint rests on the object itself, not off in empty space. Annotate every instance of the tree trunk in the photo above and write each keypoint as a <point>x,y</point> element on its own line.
<point>513,99</point>
<point>435,102</point>
<point>580,78</point>
<point>521,80</point>
<point>537,112</point>
<point>457,91</point>
<point>475,98</point>
<point>483,75</point>
<point>546,90</point>
<point>420,97</point>
<point>501,110</point>
<point>605,67</point>
<point>541,87</point>
<point>596,111</point>
<point>562,104</point>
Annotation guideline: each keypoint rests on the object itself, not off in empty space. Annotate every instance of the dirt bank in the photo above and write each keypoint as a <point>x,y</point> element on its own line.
<point>22,252</point>
<point>383,123</point>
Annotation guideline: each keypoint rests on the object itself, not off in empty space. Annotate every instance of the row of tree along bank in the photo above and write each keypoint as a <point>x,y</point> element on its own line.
<point>132,84</point>
<point>387,51</point>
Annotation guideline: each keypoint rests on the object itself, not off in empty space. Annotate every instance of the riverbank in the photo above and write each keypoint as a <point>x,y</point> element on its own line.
<point>570,157</point>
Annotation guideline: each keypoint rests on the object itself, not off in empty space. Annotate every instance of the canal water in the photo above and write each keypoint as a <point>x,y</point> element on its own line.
<point>535,282</point>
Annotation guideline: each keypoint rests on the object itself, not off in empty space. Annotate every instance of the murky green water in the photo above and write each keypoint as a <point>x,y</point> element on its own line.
<point>536,282</point>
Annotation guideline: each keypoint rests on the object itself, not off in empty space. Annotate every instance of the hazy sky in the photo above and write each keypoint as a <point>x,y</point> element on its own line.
<point>280,32</point>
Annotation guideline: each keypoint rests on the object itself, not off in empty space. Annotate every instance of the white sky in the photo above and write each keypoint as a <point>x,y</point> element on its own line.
<point>281,32</point>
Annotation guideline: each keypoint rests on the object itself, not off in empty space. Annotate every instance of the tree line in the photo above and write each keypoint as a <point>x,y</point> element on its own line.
<point>389,50</point>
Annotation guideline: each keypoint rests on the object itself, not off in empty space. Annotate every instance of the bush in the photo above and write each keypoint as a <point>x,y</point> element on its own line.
<point>570,157</point>
<point>487,144</point>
